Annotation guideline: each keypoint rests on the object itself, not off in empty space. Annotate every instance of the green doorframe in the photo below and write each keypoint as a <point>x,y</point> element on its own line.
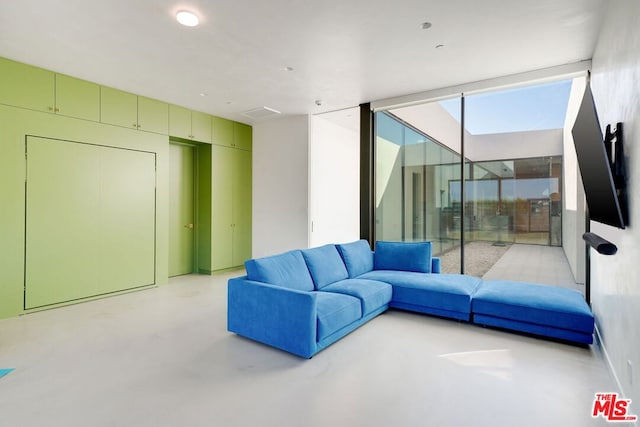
<point>201,204</point>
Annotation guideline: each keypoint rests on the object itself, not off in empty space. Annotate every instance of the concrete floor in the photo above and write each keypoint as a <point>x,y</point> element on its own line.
<point>163,357</point>
<point>546,265</point>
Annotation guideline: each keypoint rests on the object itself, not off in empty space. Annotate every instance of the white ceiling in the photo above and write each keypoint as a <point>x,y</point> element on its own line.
<point>343,52</point>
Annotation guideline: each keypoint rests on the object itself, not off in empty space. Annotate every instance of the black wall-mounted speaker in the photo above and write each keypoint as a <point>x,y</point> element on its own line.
<point>601,245</point>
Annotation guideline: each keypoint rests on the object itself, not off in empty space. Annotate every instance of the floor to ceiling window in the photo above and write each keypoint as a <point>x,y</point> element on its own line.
<point>415,165</point>
<point>512,142</point>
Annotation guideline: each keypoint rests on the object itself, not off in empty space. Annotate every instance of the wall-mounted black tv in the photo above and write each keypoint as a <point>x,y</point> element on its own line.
<point>601,167</point>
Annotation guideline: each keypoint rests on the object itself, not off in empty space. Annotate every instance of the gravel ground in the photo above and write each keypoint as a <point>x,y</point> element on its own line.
<point>479,257</point>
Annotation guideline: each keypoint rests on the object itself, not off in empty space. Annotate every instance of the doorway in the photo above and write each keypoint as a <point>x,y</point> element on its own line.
<point>181,209</point>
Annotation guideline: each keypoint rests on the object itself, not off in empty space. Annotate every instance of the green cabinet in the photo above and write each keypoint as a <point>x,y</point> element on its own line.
<point>187,124</point>
<point>30,87</point>
<point>231,134</point>
<point>26,86</point>
<point>231,207</point>
<point>77,98</point>
<point>118,108</point>
<point>222,131</point>
<point>242,136</point>
<point>153,115</point>
<point>128,110</point>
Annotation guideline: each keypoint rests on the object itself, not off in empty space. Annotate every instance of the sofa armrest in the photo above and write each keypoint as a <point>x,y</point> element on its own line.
<point>281,317</point>
<point>435,265</point>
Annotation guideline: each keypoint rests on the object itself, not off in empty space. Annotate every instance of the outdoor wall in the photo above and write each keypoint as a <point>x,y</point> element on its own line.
<point>513,145</point>
<point>388,190</point>
<point>573,214</point>
<point>280,185</point>
<point>615,289</point>
<point>334,178</point>
<point>434,120</point>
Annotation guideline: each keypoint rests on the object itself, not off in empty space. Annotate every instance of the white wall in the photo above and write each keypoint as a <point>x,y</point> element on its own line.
<point>615,285</point>
<point>573,214</point>
<point>334,178</point>
<point>435,121</point>
<point>513,145</point>
<point>280,185</point>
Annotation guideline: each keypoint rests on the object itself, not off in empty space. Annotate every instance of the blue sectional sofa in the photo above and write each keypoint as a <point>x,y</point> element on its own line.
<point>304,300</point>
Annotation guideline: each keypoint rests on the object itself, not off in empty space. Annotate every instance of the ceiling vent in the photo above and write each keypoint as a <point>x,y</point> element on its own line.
<point>261,113</point>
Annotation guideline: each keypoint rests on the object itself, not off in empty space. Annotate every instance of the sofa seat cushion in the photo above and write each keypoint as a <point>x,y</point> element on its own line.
<point>446,295</point>
<point>371,293</point>
<point>551,306</point>
<point>335,311</point>
<point>325,265</point>
<point>287,270</point>
<point>357,257</point>
<point>403,256</point>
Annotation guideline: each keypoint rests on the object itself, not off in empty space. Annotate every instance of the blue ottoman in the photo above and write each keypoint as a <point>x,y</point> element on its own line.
<point>536,309</point>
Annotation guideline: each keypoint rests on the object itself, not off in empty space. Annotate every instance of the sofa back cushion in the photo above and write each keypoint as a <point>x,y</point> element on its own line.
<point>325,265</point>
<point>405,256</point>
<point>287,270</point>
<point>357,257</point>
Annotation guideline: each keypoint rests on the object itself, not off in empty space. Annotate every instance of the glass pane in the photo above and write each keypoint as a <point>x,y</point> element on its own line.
<point>417,159</point>
<point>513,146</point>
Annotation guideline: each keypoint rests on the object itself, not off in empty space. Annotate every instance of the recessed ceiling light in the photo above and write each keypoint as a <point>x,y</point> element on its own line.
<point>439,46</point>
<point>287,68</point>
<point>203,94</point>
<point>188,19</point>
<point>426,25</point>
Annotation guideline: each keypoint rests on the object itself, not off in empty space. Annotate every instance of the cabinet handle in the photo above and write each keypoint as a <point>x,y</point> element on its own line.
<point>57,110</point>
<point>50,108</point>
<point>135,125</point>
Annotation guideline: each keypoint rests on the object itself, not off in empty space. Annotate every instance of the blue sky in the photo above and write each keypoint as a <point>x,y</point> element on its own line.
<point>531,108</point>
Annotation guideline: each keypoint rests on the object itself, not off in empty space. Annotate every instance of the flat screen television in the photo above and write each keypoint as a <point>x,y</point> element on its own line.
<point>601,167</point>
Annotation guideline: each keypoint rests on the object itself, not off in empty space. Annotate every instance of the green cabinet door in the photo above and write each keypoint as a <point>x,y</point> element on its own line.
<point>242,136</point>
<point>241,184</point>
<point>153,116</point>
<point>118,108</point>
<point>222,163</point>
<point>26,86</point>
<point>222,131</point>
<point>201,127</point>
<point>179,122</point>
<point>77,98</point>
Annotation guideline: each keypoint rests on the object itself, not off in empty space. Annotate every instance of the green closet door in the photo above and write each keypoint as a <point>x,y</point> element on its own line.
<point>90,221</point>
<point>241,207</point>
<point>181,209</point>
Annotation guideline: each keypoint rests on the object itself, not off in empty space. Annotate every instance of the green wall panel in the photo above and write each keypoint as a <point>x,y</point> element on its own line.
<point>90,220</point>
<point>15,125</point>
<point>203,208</point>
<point>222,163</point>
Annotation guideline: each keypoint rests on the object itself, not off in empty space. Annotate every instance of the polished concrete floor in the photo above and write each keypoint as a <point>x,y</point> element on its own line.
<point>535,264</point>
<point>163,357</point>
